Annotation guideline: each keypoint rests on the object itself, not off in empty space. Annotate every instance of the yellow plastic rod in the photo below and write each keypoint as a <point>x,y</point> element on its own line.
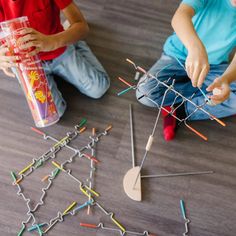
<point>69,208</point>
<point>92,191</point>
<point>118,224</point>
<point>26,168</point>
<point>60,142</point>
<point>57,165</point>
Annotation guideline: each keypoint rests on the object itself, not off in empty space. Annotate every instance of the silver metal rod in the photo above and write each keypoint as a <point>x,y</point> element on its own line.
<point>178,174</point>
<point>132,134</point>
<point>153,133</point>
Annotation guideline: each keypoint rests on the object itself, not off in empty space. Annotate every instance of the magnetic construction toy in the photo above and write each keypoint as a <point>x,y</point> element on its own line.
<point>132,179</point>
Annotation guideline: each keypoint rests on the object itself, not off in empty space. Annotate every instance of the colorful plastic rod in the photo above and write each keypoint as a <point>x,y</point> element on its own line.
<point>56,172</point>
<point>35,227</point>
<point>82,122</point>
<point>84,191</point>
<point>82,130</point>
<point>92,226</point>
<point>94,131</point>
<point>205,96</point>
<point>18,181</point>
<point>187,221</point>
<point>125,82</point>
<point>83,206</point>
<point>92,191</point>
<point>108,128</point>
<point>26,168</point>
<point>58,166</point>
<point>69,208</point>
<point>218,120</point>
<point>142,70</point>
<point>197,132</point>
<point>37,131</point>
<point>118,224</point>
<point>45,178</point>
<point>13,175</point>
<point>91,158</point>
<point>39,230</point>
<point>38,164</point>
<point>183,210</point>
<point>88,189</point>
<point>125,91</point>
<point>131,62</point>
<point>21,231</point>
<point>61,141</point>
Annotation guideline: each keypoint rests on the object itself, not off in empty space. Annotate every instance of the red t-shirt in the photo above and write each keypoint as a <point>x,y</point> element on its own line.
<point>44,16</point>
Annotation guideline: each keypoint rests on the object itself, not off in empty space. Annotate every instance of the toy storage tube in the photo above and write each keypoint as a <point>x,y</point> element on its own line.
<point>30,74</point>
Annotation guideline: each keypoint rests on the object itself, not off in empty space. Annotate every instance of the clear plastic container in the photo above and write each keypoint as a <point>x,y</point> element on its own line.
<point>30,74</point>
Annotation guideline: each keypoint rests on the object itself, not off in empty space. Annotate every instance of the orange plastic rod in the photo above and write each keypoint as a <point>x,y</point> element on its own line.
<point>18,181</point>
<point>82,130</point>
<point>125,82</point>
<point>218,120</point>
<point>196,132</point>
<point>108,128</point>
<point>45,178</point>
<point>94,131</point>
<point>88,225</point>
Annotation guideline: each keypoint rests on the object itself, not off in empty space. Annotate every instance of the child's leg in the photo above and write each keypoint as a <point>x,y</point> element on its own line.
<point>80,67</point>
<point>224,109</point>
<point>155,93</point>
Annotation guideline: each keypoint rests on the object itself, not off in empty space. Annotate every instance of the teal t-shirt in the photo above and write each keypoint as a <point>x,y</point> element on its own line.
<point>215,24</point>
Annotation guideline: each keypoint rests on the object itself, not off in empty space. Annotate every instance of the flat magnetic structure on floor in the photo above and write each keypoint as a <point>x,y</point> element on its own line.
<point>51,155</point>
<point>134,175</point>
<point>87,190</point>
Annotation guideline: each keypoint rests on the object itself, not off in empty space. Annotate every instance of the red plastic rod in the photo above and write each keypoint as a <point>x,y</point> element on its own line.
<point>142,70</point>
<point>37,131</point>
<point>91,158</point>
<point>88,225</point>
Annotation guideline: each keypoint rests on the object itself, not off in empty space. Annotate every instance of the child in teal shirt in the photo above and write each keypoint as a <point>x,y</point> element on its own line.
<point>204,39</point>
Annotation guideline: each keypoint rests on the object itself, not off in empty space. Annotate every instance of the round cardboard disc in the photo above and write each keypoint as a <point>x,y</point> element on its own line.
<point>133,192</point>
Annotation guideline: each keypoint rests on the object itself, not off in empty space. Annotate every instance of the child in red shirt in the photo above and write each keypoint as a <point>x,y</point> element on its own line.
<point>62,51</point>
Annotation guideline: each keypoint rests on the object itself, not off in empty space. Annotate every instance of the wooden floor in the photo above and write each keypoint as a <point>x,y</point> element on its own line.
<point>121,29</point>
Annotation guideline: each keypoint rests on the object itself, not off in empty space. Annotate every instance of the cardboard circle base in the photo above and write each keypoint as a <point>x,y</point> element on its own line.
<point>134,193</point>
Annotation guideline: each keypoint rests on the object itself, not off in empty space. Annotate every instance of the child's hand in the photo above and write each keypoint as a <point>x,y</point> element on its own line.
<point>197,65</point>
<point>6,62</point>
<point>35,42</point>
<point>220,89</point>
